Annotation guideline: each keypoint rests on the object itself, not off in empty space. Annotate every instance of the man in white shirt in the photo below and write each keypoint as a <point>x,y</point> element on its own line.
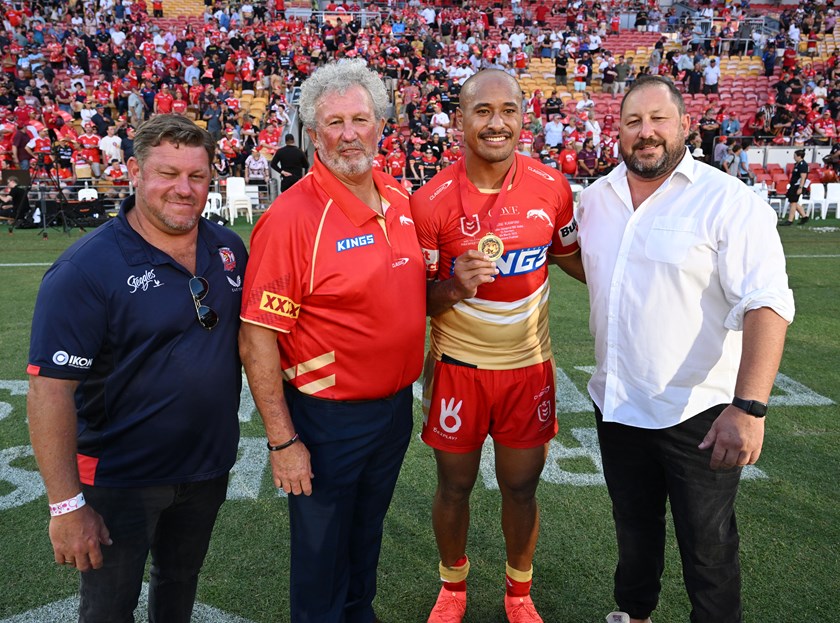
<point>689,308</point>
<point>711,77</point>
<point>440,121</point>
<point>554,132</point>
<point>111,146</point>
<point>517,38</point>
<point>504,52</point>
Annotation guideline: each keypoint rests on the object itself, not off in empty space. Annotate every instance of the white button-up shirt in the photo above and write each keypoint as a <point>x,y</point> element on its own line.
<point>669,284</point>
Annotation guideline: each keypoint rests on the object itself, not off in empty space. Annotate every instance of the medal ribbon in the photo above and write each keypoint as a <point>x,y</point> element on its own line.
<point>495,210</point>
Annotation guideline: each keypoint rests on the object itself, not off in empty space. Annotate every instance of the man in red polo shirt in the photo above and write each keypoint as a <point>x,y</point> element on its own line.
<point>163,101</point>
<point>332,338</point>
<point>89,144</point>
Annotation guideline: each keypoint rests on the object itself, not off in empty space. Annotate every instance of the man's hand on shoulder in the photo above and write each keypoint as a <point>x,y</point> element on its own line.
<point>735,438</point>
<point>77,537</point>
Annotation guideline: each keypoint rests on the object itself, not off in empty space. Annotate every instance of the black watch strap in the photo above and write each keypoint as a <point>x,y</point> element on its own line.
<point>753,407</point>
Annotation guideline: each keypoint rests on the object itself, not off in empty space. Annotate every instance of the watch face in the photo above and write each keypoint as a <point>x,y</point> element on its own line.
<point>758,408</point>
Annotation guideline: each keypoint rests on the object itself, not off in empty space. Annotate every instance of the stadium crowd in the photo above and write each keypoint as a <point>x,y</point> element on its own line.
<point>79,77</point>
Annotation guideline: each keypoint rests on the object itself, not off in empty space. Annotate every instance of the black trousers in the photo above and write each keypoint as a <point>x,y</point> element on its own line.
<point>644,468</point>
<point>174,522</point>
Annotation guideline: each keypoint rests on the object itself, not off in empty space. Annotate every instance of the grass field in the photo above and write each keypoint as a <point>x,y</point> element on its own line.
<point>789,509</point>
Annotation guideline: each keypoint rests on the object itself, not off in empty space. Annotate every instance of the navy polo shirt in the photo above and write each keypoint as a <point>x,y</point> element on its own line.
<point>158,395</point>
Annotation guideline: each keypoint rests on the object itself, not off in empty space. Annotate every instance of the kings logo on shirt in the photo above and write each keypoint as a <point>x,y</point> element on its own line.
<point>521,261</point>
<point>351,243</point>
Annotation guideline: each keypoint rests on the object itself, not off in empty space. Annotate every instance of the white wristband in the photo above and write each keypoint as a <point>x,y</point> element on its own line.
<point>67,506</point>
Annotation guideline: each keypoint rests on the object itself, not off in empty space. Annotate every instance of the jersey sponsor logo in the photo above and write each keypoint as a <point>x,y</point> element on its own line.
<point>449,419</point>
<point>143,282</point>
<point>507,210</point>
<point>470,226</point>
<point>228,259</point>
<point>568,233</point>
<point>440,189</point>
<point>521,261</point>
<point>236,283</point>
<point>63,358</point>
<point>541,173</point>
<point>431,257</point>
<point>352,243</point>
<point>400,262</point>
<point>540,215</point>
<point>279,305</point>
<point>404,220</point>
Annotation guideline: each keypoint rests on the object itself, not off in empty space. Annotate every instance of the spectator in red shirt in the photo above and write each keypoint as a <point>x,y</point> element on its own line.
<point>569,160</point>
<point>163,101</point>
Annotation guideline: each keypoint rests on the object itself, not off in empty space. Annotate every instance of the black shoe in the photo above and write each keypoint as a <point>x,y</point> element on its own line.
<point>804,220</point>
<point>785,224</point>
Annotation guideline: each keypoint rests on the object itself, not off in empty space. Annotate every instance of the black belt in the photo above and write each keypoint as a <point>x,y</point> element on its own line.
<point>444,358</point>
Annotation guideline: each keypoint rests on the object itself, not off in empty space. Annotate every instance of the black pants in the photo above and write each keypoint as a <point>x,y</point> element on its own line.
<point>645,468</point>
<point>174,522</point>
<point>356,450</point>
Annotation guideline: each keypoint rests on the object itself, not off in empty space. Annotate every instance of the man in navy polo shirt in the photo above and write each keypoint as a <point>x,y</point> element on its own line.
<point>135,381</point>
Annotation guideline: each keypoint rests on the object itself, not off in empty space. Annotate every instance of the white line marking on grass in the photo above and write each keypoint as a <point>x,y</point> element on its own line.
<point>27,484</point>
<point>67,611</point>
<point>557,452</point>
<point>797,395</point>
<point>24,265</point>
<point>808,257</point>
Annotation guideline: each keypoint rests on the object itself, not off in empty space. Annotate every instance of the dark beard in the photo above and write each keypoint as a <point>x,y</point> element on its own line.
<point>660,167</point>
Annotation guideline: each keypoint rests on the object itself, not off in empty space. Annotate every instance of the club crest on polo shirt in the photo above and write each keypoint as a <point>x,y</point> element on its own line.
<point>345,244</point>
<point>228,259</point>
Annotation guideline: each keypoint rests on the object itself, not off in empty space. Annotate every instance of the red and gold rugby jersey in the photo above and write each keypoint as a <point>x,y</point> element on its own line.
<point>505,325</point>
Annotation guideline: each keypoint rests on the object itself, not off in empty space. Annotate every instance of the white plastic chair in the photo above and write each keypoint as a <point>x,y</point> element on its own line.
<point>213,205</point>
<point>237,199</point>
<point>817,198</point>
<point>832,196</point>
<point>88,194</point>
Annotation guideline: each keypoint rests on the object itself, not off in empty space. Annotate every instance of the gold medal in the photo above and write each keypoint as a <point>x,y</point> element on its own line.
<point>492,246</point>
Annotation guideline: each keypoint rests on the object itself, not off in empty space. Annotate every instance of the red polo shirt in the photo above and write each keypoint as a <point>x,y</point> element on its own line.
<point>343,287</point>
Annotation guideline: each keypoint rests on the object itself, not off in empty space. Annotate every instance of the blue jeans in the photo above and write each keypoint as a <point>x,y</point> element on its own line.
<point>643,469</point>
<point>174,522</point>
<point>356,449</point>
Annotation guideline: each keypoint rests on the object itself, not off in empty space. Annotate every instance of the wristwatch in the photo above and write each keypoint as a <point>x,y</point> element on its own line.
<point>753,407</point>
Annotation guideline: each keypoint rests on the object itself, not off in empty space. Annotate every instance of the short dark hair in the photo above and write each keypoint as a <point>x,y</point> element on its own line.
<point>172,129</point>
<point>290,138</point>
<point>650,80</point>
<point>800,153</point>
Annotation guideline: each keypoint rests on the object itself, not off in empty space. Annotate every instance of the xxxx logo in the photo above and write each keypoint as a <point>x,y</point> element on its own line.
<point>280,305</point>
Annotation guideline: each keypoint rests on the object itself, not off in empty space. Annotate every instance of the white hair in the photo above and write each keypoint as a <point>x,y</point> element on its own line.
<point>337,78</point>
